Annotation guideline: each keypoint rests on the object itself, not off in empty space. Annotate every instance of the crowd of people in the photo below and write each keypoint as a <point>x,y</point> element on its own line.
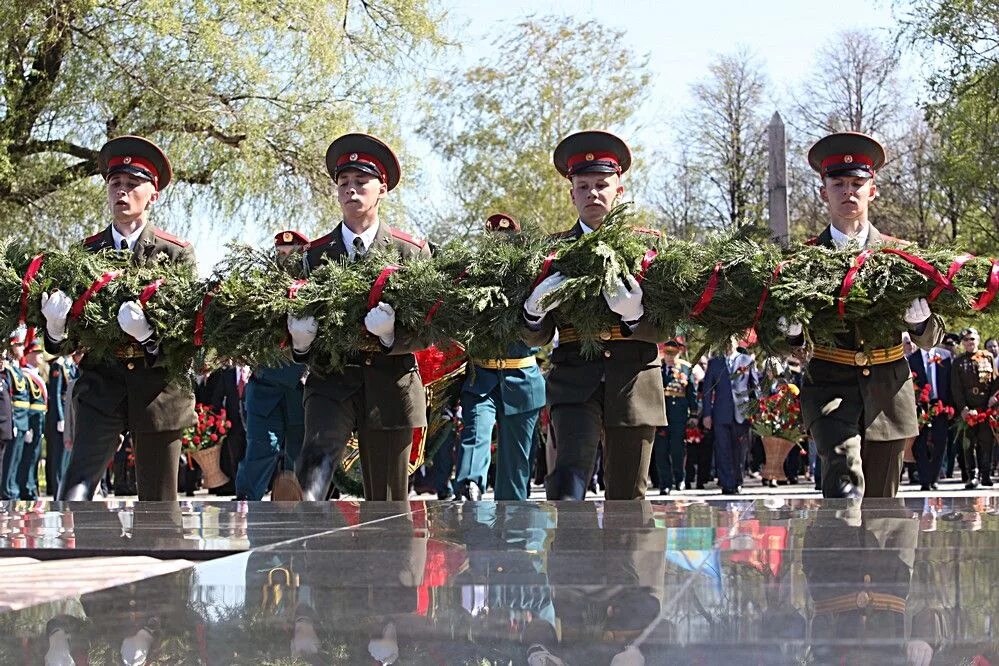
<point>637,412</point>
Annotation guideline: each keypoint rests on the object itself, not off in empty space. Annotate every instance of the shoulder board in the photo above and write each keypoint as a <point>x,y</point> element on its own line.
<point>402,235</point>
<point>90,240</point>
<point>814,240</point>
<point>319,242</point>
<point>891,239</point>
<point>559,235</point>
<point>651,232</point>
<point>162,235</point>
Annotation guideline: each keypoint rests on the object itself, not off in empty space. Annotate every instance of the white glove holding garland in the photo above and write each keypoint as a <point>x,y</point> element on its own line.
<point>791,329</point>
<point>303,332</point>
<point>135,649</point>
<point>626,299</point>
<point>532,306</point>
<point>133,321</point>
<point>380,322</point>
<point>55,308</point>
<point>58,653</point>
<point>918,312</point>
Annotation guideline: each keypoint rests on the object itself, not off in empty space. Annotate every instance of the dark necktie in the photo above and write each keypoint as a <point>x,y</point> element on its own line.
<point>359,250</point>
<point>124,245</point>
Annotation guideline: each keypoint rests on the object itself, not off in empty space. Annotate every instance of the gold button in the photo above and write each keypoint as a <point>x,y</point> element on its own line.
<point>607,354</point>
<point>367,361</point>
<point>863,600</point>
<point>130,366</point>
<point>605,334</point>
<point>866,372</point>
<point>860,358</point>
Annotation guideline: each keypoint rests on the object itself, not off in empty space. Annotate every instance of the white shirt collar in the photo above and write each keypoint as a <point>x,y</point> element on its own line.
<point>367,237</point>
<point>841,240</point>
<point>586,229</point>
<point>130,239</point>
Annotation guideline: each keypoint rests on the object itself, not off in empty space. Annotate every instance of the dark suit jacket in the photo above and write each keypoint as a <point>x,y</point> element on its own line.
<point>630,370</point>
<point>943,376</point>
<point>154,404</point>
<point>718,401</point>
<point>389,378</point>
<point>885,398</point>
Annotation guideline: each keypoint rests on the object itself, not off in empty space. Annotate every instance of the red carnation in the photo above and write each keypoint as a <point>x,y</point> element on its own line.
<point>196,439</point>
<point>213,437</point>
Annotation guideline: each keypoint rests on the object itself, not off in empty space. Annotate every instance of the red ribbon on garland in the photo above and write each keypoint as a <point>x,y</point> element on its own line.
<point>295,286</point>
<point>29,276</point>
<point>199,317</point>
<point>149,290</point>
<point>440,301</point>
<point>545,269</point>
<point>85,297</point>
<point>923,266</point>
<point>647,260</point>
<point>990,291</point>
<point>766,293</point>
<point>951,273</point>
<point>850,277</point>
<point>709,292</point>
<point>378,287</point>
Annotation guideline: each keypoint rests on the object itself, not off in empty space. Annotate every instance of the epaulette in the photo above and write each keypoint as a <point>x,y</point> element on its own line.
<point>402,235</point>
<point>319,242</point>
<point>162,235</point>
<point>651,232</point>
<point>89,240</point>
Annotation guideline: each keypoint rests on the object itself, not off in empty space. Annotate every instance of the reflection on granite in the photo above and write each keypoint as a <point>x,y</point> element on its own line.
<point>664,582</point>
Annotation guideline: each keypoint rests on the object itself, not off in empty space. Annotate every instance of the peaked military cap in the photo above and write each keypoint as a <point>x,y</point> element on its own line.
<point>846,154</point>
<point>290,237</point>
<point>592,151</point>
<point>364,153</point>
<point>502,222</point>
<point>136,156</point>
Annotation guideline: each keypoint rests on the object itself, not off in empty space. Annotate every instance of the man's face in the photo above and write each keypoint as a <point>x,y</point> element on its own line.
<point>993,347</point>
<point>34,358</point>
<point>358,193</point>
<point>17,351</point>
<point>594,194</point>
<point>970,343</point>
<point>669,354</point>
<point>284,251</point>
<point>848,197</point>
<point>129,196</point>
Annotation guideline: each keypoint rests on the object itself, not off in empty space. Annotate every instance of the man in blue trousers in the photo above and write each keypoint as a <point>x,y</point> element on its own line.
<point>508,392</point>
<point>275,415</point>
<point>730,383</point>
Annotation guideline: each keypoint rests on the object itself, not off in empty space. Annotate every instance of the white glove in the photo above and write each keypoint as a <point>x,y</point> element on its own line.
<point>918,653</point>
<point>385,650</point>
<point>305,641</point>
<point>630,657</point>
<point>626,299</point>
<point>135,649</point>
<point>303,332</point>
<point>380,322</point>
<point>58,653</point>
<point>132,320</point>
<point>55,308</point>
<point>918,312</point>
<point>791,329</point>
<point>60,426</point>
<point>532,306</point>
<point>29,436</point>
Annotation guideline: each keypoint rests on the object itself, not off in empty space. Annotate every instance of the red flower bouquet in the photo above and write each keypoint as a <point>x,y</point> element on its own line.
<point>779,415</point>
<point>202,444</point>
<point>927,410</point>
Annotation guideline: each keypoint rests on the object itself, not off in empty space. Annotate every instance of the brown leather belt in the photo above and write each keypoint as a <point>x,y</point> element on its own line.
<point>860,601</point>
<point>570,335</point>
<point>858,358</point>
<point>506,363</point>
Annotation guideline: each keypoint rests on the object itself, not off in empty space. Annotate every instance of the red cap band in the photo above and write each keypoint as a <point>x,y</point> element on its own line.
<point>596,156</point>
<point>847,160</point>
<point>363,158</point>
<point>137,163</point>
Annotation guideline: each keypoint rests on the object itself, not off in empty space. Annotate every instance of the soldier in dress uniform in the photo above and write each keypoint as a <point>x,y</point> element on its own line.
<point>133,392</point>
<point>55,424</point>
<point>504,392</point>
<point>974,382</point>
<point>619,395</point>
<point>27,473</point>
<point>379,394</point>
<point>275,417</point>
<point>21,402</point>
<point>858,402</point>
<point>681,405</point>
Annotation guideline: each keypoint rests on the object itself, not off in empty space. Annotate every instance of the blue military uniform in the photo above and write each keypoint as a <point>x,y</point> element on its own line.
<point>681,404</point>
<point>27,471</point>
<point>275,421</point>
<point>55,452</point>
<point>21,396</point>
<point>498,392</point>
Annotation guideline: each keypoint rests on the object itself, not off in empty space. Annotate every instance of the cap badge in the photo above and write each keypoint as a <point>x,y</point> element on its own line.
<point>287,237</point>
<point>126,160</point>
<point>848,158</point>
<point>353,157</point>
<point>589,157</point>
<point>504,224</point>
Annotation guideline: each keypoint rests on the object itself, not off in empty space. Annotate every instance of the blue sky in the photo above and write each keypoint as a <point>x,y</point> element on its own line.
<point>680,39</point>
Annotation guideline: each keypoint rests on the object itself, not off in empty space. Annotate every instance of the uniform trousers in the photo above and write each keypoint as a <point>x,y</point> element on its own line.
<point>577,428</point>
<point>384,454</point>
<point>157,456</point>
<point>12,454</point>
<point>513,453</point>
<point>978,451</point>
<point>668,450</point>
<point>267,435</point>
<point>55,457</point>
<point>31,453</point>
<point>873,467</point>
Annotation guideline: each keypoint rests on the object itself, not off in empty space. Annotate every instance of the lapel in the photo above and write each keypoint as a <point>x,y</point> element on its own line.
<point>383,238</point>
<point>337,248</point>
<point>105,241</point>
<point>825,238</point>
<point>874,237</point>
<point>577,231</point>
<point>145,245</point>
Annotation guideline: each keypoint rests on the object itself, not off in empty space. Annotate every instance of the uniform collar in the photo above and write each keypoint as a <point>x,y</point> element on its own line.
<point>585,229</point>
<point>841,240</point>
<point>367,237</point>
<point>131,239</point>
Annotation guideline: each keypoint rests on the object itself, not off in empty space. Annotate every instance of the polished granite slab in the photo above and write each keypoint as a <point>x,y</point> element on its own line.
<point>770,581</point>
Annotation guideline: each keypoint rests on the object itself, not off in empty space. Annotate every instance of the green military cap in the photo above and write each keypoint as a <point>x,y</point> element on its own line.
<point>364,153</point>
<point>970,331</point>
<point>846,154</point>
<point>592,151</point>
<point>136,156</point>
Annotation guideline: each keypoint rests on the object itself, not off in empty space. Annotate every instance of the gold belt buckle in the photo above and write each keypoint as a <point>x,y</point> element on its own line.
<point>861,358</point>
<point>501,364</point>
<point>605,334</point>
<point>863,600</point>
